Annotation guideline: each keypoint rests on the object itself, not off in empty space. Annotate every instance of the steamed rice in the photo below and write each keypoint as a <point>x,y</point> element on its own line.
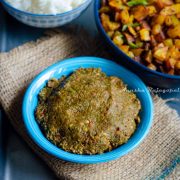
<point>45,6</point>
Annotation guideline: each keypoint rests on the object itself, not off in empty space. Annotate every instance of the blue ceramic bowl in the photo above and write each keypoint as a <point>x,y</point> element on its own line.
<point>152,78</point>
<point>47,20</point>
<point>66,67</point>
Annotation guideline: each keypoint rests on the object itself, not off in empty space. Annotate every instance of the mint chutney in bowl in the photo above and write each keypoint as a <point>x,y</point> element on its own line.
<point>87,110</point>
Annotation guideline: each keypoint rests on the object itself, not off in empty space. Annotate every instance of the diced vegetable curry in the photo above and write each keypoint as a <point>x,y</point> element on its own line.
<point>146,30</point>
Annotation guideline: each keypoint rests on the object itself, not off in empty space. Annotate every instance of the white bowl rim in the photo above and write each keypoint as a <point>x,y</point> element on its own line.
<point>5,3</point>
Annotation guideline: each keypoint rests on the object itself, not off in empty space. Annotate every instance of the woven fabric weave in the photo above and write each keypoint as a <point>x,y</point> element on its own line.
<point>154,158</point>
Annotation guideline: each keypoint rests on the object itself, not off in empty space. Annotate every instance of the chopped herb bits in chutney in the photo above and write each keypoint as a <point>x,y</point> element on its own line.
<point>87,112</point>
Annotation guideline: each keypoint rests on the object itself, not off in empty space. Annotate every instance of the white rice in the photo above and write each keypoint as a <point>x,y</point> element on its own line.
<point>45,6</point>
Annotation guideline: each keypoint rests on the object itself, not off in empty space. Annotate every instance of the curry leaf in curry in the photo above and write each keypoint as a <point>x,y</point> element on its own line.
<point>137,2</point>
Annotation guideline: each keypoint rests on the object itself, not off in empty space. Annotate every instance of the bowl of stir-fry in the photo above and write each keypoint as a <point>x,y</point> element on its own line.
<point>145,37</point>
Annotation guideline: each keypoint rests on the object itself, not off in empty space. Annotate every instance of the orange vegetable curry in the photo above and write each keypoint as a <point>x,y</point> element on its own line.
<point>148,31</point>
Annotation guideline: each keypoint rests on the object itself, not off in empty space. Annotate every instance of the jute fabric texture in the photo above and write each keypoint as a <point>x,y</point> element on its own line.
<point>154,158</point>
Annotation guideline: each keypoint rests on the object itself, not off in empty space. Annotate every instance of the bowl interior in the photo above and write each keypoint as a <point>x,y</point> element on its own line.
<point>65,68</point>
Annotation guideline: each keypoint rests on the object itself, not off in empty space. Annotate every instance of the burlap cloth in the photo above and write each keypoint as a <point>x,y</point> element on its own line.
<point>155,158</point>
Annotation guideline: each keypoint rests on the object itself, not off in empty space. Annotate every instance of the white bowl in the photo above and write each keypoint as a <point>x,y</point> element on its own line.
<point>45,20</point>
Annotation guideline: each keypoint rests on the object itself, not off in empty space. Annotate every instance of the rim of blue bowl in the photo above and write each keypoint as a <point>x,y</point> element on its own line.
<point>5,3</point>
<point>99,25</point>
<point>83,159</point>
